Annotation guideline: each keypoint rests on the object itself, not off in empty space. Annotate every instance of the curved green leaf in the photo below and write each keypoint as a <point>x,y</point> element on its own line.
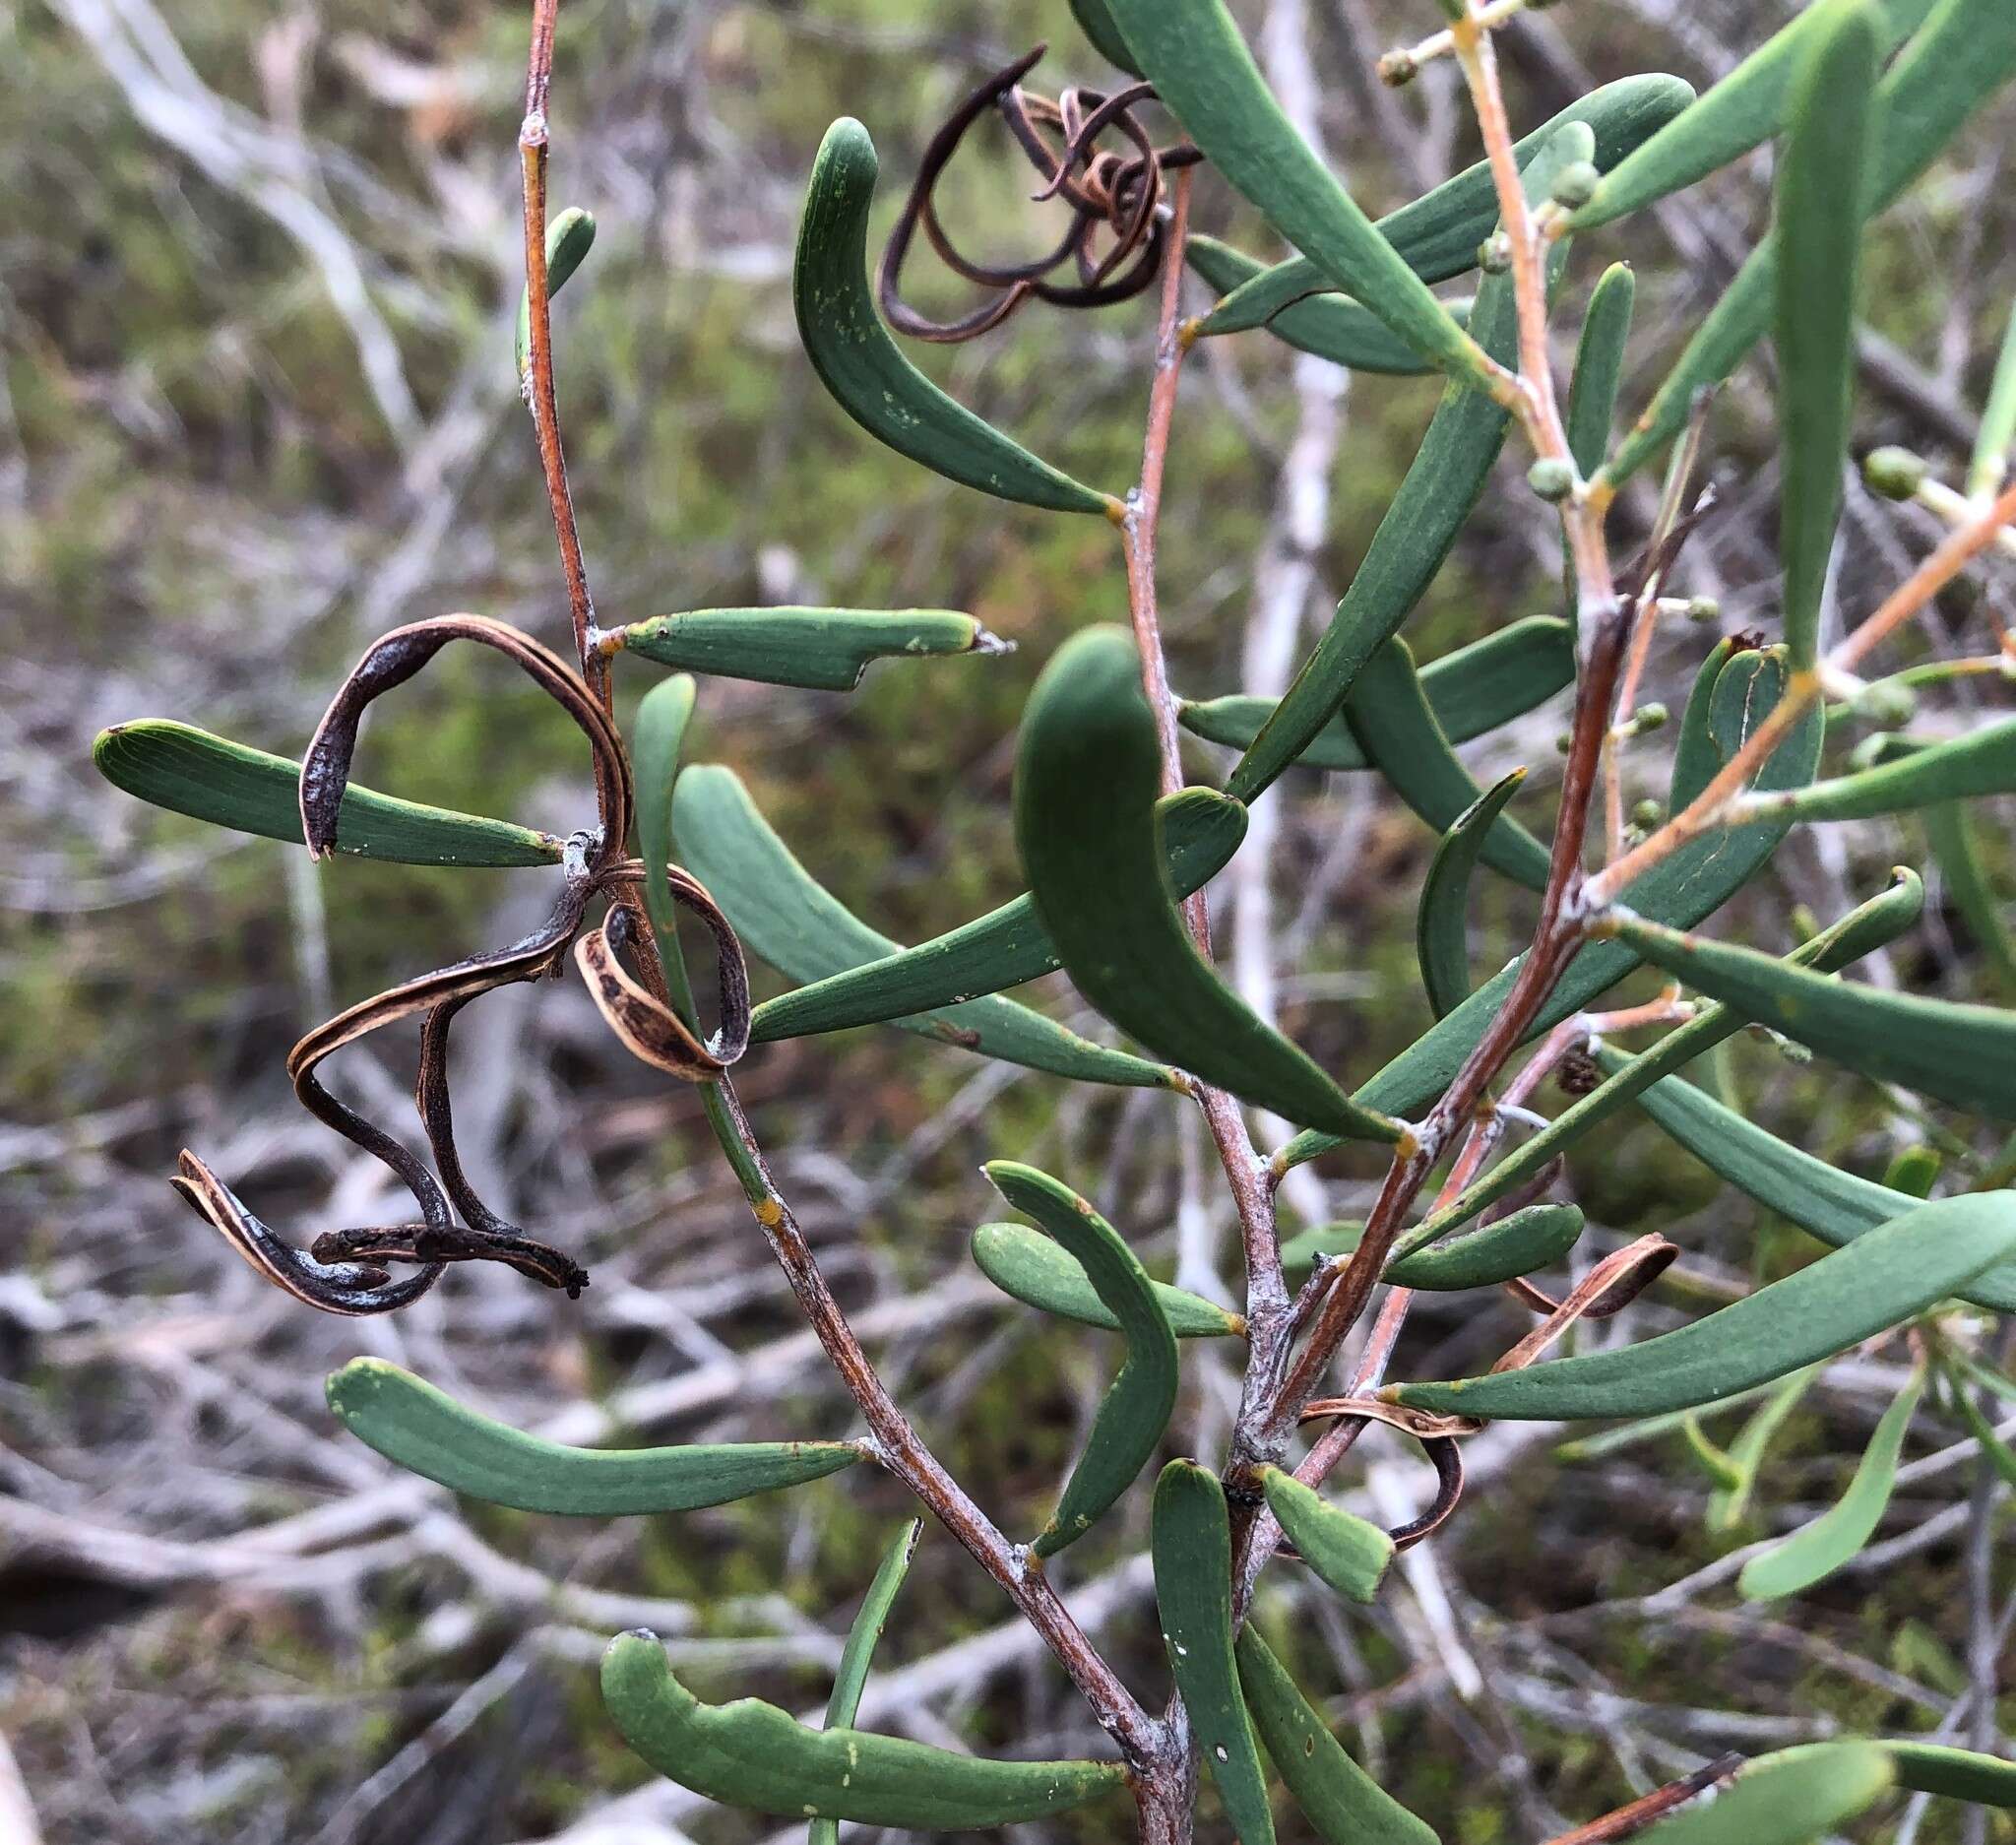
<point>1341,1803</point>
<point>1192,1545</point>
<point>659,735</point>
<point>1816,1551</point>
<point>1863,929</point>
<point>1835,1206</point>
<point>1875,1282</point>
<point>860,364</point>
<point>1140,1401</point>
<point>1200,831</point>
<point>569,238</point>
<point>1983,762</point>
<point>752,1756</point>
<point>1471,691</point>
<point>429,1433</point>
<point>1949,832</point>
<point>788,917</point>
<point>1331,326</point>
<point>858,1653</point>
<point>1727,1508</point>
<point>1205,75</point>
<point>1692,884</point>
<point>1441,925</point>
<point>210,778</point>
<point>1438,234</point>
<point>824,649</point>
<point>1790,1798</point>
<point>1349,1552</point>
<point>1819,239</point>
<point>1958,1773</point>
<point>1095,869</point>
<point>1997,1452</point>
<point>1437,495</point>
<point>1030,1267</point>
<point>1963,1055</point>
<point>1096,23</point>
<point>1534,1238</point>
<point>1965,52</point>
<point>1391,719</point>
<point>1746,107</point>
<point>1600,366</point>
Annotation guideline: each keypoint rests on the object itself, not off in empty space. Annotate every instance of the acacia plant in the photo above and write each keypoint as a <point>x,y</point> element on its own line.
<point>1117,848</point>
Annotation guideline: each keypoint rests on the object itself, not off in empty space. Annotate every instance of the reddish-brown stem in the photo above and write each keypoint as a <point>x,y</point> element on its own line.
<point>541,398</point>
<point>1627,1822</point>
<point>903,1452</point>
<point>1710,807</point>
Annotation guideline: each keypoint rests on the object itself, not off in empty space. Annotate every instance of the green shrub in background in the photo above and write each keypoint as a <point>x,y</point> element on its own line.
<point>1118,849</point>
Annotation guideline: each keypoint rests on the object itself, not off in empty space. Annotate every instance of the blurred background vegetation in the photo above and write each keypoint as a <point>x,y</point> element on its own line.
<point>256,272</point>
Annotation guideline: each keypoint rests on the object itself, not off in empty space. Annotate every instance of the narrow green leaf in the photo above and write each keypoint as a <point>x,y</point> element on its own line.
<point>858,1653</point>
<point>1441,928</point>
<point>1863,929</point>
<point>210,778</point>
<point>1789,1797</point>
<point>1816,1551</point>
<point>1727,1508</point>
<point>1949,831</point>
<point>1030,1267</point>
<point>752,1756</point>
<point>1192,1545</point>
<point>1200,831</point>
<point>1437,497</point>
<point>660,733</point>
<point>1983,762</point>
<point>1819,236</point>
<point>1835,1206</point>
<point>1746,107</point>
<point>1471,691</point>
<point>1096,23</point>
<point>784,915</point>
<point>1965,52</point>
<point>1349,1552</point>
<point>1343,1804</point>
<point>860,364</point>
<point>1914,1171</point>
<point>1875,1282</point>
<point>1391,719</point>
<point>1534,1238</point>
<point>1141,1399</point>
<point>1205,75</point>
<point>1958,1773</point>
<point>2000,1456</point>
<point>825,649</point>
<point>1331,326</point>
<point>569,237</point>
<point>1438,234</point>
<point>1692,884</point>
<point>1963,1055</point>
<point>1095,869</point>
<point>431,1434</point>
<point>1646,1429</point>
<point>1989,463</point>
<point>1600,366</point>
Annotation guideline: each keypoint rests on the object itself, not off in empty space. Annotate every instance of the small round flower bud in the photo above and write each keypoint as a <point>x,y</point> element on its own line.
<point>1650,717</point>
<point>1552,478</point>
<point>1894,473</point>
<point>1494,254</point>
<point>1575,184</point>
<point>1703,609</point>
<point>1647,815</point>
<point>1397,68</point>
